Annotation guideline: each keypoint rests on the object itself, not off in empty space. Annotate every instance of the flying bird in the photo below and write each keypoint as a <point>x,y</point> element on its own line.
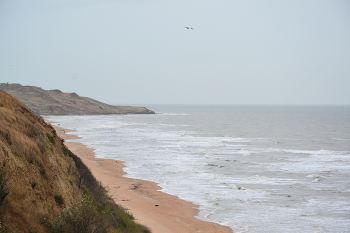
<point>189,28</point>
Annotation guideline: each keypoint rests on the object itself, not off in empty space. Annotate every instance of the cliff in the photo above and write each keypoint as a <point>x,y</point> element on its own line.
<point>44,187</point>
<point>56,102</point>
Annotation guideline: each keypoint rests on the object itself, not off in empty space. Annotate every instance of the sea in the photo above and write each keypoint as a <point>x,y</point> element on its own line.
<point>254,168</point>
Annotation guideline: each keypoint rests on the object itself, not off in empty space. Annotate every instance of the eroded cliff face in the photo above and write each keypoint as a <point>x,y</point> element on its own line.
<point>56,102</point>
<point>43,186</point>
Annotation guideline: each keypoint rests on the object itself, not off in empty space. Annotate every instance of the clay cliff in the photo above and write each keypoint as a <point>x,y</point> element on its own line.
<point>44,187</point>
<point>56,102</point>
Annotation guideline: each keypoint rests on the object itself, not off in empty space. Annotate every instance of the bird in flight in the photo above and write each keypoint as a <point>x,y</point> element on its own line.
<point>189,28</point>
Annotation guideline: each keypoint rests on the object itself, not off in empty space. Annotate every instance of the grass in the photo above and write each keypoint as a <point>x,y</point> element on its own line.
<point>2,230</point>
<point>58,187</point>
<point>91,217</point>
<point>66,151</point>
<point>101,204</point>
<point>50,137</point>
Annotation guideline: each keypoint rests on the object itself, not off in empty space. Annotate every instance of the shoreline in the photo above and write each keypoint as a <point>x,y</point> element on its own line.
<point>159,211</point>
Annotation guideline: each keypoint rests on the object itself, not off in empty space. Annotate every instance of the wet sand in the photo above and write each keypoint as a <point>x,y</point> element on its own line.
<point>161,212</point>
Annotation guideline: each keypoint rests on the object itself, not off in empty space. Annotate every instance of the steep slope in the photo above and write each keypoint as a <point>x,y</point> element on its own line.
<point>43,186</point>
<point>56,102</point>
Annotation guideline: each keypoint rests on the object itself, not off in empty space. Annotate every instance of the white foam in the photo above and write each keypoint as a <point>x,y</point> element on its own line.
<point>242,182</point>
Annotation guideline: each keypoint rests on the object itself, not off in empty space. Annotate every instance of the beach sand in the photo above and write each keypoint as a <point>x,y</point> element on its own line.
<point>161,212</point>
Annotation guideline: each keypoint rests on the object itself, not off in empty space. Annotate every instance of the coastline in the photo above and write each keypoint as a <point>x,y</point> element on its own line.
<point>161,212</point>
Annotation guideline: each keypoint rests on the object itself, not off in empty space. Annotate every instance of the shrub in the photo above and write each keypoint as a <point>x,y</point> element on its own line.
<point>81,217</point>
<point>90,217</point>
<point>3,189</point>
<point>43,172</point>
<point>50,137</point>
<point>67,152</point>
<point>59,199</point>
<point>2,230</point>
<point>34,184</point>
<point>97,212</point>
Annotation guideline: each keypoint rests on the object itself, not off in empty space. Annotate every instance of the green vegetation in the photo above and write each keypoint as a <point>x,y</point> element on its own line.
<point>96,212</point>
<point>66,151</point>
<point>91,217</point>
<point>50,137</point>
<point>2,230</point>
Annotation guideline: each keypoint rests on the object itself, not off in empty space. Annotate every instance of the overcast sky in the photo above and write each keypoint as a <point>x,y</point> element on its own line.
<point>139,51</point>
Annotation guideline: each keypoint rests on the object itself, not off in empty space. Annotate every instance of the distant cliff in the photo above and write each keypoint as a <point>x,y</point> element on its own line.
<point>56,102</point>
<point>44,187</point>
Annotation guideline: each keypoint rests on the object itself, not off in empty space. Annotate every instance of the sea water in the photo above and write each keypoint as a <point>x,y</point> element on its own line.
<point>252,168</point>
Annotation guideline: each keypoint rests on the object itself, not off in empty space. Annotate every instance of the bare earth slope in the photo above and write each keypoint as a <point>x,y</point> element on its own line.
<point>56,102</point>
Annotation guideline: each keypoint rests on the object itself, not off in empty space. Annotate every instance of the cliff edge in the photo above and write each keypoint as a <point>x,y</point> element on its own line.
<point>56,102</point>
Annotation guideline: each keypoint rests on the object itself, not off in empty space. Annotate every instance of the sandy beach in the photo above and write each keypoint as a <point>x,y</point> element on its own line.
<point>161,212</point>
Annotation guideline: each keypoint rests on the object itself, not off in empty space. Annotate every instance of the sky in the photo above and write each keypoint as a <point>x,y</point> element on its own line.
<point>139,51</point>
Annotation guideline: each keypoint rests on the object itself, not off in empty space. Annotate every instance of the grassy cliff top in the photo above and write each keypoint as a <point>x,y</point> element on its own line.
<point>56,102</point>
